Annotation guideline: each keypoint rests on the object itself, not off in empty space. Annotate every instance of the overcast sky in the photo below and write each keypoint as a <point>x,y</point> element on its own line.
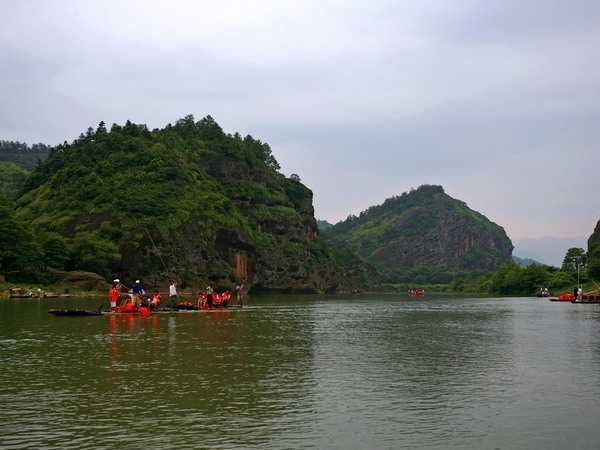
<point>496,101</point>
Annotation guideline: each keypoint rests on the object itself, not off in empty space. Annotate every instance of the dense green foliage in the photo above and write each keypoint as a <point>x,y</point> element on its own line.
<point>593,266</point>
<point>19,247</point>
<point>11,177</point>
<point>513,279</point>
<point>22,155</point>
<point>17,160</point>
<point>132,165</point>
<point>424,235</point>
<point>575,260</point>
<point>187,199</point>
<point>593,256</point>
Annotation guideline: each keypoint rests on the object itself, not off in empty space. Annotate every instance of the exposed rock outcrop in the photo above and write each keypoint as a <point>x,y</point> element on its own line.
<point>188,202</point>
<point>427,228</point>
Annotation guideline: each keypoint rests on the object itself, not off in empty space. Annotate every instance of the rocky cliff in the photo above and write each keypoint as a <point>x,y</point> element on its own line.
<point>188,201</point>
<point>426,228</point>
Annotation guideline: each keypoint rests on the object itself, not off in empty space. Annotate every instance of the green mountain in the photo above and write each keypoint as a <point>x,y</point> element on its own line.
<point>593,266</point>
<point>17,160</point>
<point>323,225</point>
<point>526,262</point>
<point>424,228</point>
<point>23,155</point>
<point>11,177</point>
<point>187,201</point>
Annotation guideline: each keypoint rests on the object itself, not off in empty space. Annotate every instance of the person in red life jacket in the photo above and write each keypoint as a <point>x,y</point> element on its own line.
<point>155,301</point>
<point>202,304</point>
<point>216,300</point>
<point>113,296</point>
<point>225,296</point>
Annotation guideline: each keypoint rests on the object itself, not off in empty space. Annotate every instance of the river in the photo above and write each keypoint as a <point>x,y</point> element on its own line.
<point>367,371</point>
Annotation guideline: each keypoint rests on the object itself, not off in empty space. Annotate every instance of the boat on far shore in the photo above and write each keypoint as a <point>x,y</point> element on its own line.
<point>416,292</point>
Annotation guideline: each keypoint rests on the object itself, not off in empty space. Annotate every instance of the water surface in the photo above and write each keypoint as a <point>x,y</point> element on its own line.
<point>340,372</point>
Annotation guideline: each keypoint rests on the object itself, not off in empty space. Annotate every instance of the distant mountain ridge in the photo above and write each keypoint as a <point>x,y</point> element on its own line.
<point>547,250</point>
<point>17,160</point>
<point>425,228</point>
<point>23,155</point>
<point>526,262</point>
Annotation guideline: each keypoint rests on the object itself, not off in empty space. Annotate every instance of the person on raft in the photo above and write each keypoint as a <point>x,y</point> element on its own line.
<point>118,285</point>
<point>137,292</point>
<point>113,296</point>
<point>173,293</point>
<point>155,301</point>
<point>209,296</point>
<point>239,290</point>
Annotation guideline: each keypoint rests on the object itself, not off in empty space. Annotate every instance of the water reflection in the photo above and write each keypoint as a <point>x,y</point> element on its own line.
<point>296,372</point>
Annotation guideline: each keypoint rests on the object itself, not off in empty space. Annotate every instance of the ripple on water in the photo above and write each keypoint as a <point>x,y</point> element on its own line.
<point>387,372</point>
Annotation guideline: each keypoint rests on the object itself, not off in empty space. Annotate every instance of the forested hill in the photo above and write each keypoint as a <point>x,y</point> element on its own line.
<point>23,155</point>
<point>188,201</point>
<point>17,159</point>
<point>425,228</point>
<point>593,243</point>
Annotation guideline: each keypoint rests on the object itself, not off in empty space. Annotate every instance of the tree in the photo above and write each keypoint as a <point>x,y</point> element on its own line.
<point>56,251</point>
<point>593,266</point>
<point>18,246</point>
<point>11,176</point>
<point>575,260</point>
<point>93,254</point>
<point>535,277</point>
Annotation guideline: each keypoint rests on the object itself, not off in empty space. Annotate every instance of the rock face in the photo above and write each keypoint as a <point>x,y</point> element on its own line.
<point>594,253</point>
<point>78,280</point>
<point>188,202</point>
<point>426,228</point>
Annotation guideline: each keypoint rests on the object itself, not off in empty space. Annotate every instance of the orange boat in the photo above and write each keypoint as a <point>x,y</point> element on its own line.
<point>564,298</point>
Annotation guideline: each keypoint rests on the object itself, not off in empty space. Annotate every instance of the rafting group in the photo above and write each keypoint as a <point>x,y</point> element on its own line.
<point>137,299</point>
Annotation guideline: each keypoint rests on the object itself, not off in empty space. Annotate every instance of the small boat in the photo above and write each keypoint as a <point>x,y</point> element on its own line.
<point>74,312</point>
<point>587,298</point>
<point>416,292</point>
<point>563,298</point>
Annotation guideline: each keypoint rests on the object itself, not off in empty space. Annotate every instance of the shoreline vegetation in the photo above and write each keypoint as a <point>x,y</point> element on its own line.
<point>37,292</point>
<point>232,215</point>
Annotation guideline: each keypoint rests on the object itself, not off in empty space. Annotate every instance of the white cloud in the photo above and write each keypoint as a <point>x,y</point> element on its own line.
<point>496,101</point>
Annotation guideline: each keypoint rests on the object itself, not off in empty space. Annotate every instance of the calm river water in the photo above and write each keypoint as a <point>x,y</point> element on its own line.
<point>288,372</point>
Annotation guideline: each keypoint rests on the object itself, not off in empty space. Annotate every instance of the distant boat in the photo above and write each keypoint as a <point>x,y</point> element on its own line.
<point>416,292</point>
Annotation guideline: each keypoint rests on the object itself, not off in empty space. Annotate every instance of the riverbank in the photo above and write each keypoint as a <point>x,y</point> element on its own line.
<point>35,291</point>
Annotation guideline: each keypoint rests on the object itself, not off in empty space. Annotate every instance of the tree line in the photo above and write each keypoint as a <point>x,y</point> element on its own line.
<point>513,279</point>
